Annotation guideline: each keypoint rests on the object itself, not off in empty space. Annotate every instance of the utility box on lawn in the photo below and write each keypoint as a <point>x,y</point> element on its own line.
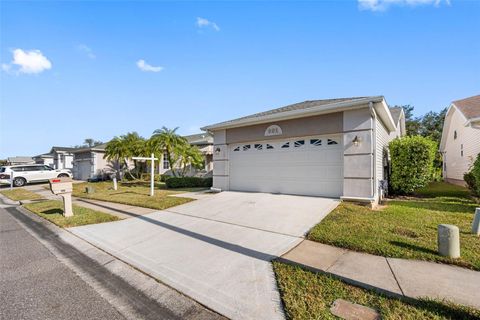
<point>63,187</point>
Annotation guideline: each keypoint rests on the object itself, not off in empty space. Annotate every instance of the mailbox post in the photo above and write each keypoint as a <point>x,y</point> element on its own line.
<point>63,187</point>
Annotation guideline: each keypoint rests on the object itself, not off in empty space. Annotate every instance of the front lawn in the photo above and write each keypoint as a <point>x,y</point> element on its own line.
<point>21,194</point>
<point>308,295</point>
<point>131,193</point>
<point>52,211</point>
<point>405,228</point>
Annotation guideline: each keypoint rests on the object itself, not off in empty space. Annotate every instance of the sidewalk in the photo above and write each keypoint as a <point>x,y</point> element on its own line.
<point>398,277</point>
<point>123,211</point>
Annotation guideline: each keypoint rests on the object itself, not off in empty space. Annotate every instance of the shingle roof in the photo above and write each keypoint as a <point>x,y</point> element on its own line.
<point>396,112</point>
<point>199,139</point>
<point>293,107</point>
<point>63,148</point>
<point>470,107</point>
<point>44,155</point>
<point>20,159</point>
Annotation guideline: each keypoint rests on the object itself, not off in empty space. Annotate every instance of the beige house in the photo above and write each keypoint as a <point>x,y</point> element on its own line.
<point>62,157</point>
<point>46,159</point>
<point>460,143</point>
<point>330,148</point>
<point>89,163</point>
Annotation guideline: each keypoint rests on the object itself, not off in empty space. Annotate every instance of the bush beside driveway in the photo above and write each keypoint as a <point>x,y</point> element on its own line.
<point>405,228</point>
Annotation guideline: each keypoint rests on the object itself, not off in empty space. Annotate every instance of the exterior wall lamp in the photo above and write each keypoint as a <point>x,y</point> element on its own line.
<point>217,150</point>
<point>356,141</point>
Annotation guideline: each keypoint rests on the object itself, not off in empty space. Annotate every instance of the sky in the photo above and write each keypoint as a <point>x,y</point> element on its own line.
<point>84,69</point>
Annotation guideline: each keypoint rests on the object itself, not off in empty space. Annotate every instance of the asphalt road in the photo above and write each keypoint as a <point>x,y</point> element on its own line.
<point>35,285</point>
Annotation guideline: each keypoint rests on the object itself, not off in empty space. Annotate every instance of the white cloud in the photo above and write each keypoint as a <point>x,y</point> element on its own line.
<point>87,50</point>
<point>204,23</point>
<point>382,5</point>
<point>32,61</point>
<point>142,65</point>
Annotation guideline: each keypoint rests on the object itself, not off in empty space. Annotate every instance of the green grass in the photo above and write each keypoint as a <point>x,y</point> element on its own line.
<point>308,295</point>
<point>132,193</point>
<point>21,194</point>
<point>405,228</point>
<point>52,211</point>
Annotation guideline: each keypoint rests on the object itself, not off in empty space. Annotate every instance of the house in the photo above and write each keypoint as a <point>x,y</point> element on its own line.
<point>329,148</point>
<point>460,142</point>
<point>46,159</point>
<point>62,157</point>
<point>89,163</point>
<point>19,160</point>
<point>204,142</point>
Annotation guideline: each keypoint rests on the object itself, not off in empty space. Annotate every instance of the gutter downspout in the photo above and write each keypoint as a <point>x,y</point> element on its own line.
<point>374,149</point>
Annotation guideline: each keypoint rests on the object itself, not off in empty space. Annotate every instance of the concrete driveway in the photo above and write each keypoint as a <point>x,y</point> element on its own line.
<point>217,249</point>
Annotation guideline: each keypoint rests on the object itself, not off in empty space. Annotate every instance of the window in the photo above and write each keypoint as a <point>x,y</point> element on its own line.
<point>455,135</point>
<point>299,143</point>
<point>258,146</point>
<point>166,164</point>
<point>286,145</point>
<point>330,142</point>
<point>269,146</point>
<point>236,149</point>
<point>316,142</point>
<point>246,147</point>
<point>47,168</point>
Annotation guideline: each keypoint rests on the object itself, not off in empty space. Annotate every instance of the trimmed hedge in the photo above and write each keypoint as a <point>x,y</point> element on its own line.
<point>188,182</point>
<point>412,163</point>
<point>472,178</point>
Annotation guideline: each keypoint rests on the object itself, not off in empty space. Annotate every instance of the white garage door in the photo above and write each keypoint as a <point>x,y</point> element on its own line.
<point>304,166</point>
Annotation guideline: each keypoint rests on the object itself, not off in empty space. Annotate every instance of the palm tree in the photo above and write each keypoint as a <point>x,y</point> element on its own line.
<point>190,157</point>
<point>124,148</point>
<point>167,141</point>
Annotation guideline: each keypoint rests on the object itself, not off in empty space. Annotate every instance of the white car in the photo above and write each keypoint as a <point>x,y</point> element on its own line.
<point>23,174</point>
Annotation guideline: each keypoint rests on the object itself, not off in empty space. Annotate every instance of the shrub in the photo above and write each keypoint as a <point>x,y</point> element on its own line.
<point>412,163</point>
<point>188,182</point>
<point>472,178</point>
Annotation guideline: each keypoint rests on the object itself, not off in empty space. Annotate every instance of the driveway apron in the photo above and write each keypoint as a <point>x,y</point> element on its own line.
<point>218,249</point>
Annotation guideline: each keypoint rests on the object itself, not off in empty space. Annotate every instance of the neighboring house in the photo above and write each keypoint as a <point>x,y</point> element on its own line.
<point>19,160</point>
<point>46,159</point>
<point>89,163</point>
<point>62,157</point>
<point>331,148</point>
<point>204,142</point>
<point>460,143</point>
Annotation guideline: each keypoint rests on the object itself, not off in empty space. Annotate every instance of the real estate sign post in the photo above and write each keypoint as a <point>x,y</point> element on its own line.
<point>152,170</point>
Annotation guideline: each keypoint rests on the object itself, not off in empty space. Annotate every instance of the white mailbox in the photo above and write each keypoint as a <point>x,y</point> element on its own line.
<point>63,187</point>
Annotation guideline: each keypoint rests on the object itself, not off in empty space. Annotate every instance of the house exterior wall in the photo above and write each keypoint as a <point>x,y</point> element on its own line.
<point>456,164</point>
<point>358,160</point>
<point>62,160</point>
<point>100,164</point>
<point>383,139</point>
<point>317,125</point>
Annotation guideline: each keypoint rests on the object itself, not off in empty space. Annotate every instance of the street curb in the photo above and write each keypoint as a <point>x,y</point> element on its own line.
<point>9,201</point>
<point>180,305</point>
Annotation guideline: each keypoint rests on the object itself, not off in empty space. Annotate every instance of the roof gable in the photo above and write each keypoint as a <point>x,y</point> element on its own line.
<point>469,107</point>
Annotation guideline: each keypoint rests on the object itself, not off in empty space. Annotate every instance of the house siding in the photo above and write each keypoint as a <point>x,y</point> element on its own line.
<point>456,164</point>
<point>383,139</point>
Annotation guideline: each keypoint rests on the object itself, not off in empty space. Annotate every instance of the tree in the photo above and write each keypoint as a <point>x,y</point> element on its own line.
<point>431,125</point>
<point>167,141</point>
<point>189,156</point>
<point>124,148</point>
<point>412,123</point>
<point>91,142</point>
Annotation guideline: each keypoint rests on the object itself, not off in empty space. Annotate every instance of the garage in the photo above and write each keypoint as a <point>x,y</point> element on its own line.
<point>311,165</point>
<point>82,170</point>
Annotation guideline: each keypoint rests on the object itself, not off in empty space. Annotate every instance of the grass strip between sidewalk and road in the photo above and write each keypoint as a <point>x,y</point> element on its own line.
<point>130,194</point>
<point>309,295</point>
<point>405,228</point>
<point>21,194</point>
<point>52,210</point>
